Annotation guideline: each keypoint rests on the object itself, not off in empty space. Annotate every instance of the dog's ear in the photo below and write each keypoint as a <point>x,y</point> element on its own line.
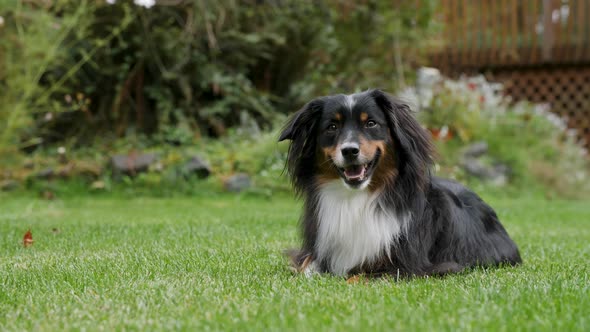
<point>417,150</point>
<point>300,129</point>
<point>302,120</point>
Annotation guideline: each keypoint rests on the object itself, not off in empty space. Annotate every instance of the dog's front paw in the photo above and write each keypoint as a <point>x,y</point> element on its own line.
<point>310,267</point>
<point>302,262</point>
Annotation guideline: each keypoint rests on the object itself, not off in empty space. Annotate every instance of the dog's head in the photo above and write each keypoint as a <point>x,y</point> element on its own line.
<point>366,139</point>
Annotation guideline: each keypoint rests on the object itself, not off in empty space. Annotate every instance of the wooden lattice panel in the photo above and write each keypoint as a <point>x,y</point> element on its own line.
<point>567,90</point>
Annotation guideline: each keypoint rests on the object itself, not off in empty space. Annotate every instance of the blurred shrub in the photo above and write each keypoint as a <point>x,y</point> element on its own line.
<point>541,152</point>
<point>33,40</point>
<point>88,170</point>
<point>369,44</point>
<point>535,143</point>
<point>180,70</point>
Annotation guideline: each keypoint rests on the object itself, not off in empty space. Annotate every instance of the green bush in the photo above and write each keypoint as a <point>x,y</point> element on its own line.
<point>32,42</point>
<point>77,71</point>
<point>535,143</point>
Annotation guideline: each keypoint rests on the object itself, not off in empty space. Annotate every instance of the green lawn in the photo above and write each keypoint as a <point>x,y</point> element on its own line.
<point>215,262</point>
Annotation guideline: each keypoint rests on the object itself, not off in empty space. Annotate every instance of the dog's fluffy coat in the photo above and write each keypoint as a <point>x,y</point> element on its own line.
<point>362,164</point>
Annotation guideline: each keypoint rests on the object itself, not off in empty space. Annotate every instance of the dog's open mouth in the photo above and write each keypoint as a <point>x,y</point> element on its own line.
<point>355,174</point>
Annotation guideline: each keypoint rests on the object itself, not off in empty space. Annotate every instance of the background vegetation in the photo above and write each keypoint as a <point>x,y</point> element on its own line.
<point>183,70</point>
<point>83,80</point>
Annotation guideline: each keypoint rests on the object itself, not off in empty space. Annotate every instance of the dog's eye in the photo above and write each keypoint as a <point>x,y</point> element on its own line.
<point>371,124</point>
<point>332,127</point>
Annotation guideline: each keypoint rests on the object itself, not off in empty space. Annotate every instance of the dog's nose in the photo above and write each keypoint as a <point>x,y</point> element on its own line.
<point>350,151</point>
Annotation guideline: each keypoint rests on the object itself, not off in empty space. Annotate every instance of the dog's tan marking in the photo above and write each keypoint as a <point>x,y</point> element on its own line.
<point>338,116</point>
<point>386,168</point>
<point>305,264</point>
<point>329,152</point>
<point>369,148</point>
<point>364,116</point>
<point>326,170</point>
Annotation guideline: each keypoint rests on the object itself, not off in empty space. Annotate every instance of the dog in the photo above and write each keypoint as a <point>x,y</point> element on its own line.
<point>362,164</point>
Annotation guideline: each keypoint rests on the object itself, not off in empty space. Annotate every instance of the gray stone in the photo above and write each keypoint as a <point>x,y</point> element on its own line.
<point>502,168</point>
<point>197,166</point>
<point>476,168</point>
<point>132,164</point>
<point>497,174</point>
<point>499,179</point>
<point>46,173</point>
<point>8,185</point>
<point>29,164</point>
<point>476,150</point>
<point>238,182</point>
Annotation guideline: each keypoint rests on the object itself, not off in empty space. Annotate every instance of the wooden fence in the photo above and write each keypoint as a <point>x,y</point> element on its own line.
<point>540,49</point>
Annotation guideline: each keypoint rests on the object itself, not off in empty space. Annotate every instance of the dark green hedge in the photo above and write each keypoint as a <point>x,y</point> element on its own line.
<point>185,69</point>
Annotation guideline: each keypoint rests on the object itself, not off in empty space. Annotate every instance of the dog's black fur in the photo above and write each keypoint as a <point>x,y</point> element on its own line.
<point>450,227</point>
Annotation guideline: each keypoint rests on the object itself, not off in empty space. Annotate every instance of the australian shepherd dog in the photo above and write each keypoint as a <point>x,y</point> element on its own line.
<point>362,164</point>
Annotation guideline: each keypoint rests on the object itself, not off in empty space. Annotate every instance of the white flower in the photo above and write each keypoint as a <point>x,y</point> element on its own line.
<point>145,3</point>
<point>1,21</point>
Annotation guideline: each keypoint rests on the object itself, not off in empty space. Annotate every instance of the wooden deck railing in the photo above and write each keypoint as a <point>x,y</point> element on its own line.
<point>500,33</point>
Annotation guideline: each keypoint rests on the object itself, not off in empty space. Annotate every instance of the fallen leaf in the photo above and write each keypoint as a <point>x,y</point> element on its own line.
<point>357,278</point>
<point>354,279</point>
<point>48,195</point>
<point>28,239</point>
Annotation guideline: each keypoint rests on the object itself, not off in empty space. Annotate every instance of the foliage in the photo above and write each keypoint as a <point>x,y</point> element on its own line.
<point>369,44</point>
<point>262,158</point>
<point>541,153</point>
<point>32,42</point>
<point>182,70</point>
<point>89,170</point>
<point>535,143</point>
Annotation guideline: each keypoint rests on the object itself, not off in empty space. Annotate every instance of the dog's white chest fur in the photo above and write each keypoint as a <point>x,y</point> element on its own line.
<point>352,229</point>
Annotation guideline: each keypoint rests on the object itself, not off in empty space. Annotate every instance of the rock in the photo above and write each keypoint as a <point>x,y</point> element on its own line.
<point>502,168</point>
<point>132,164</point>
<point>476,168</point>
<point>427,77</point>
<point>65,171</point>
<point>8,185</point>
<point>426,81</point>
<point>29,164</point>
<point>46,173</point>
<point>198,166</point>
<point>474,165</point>
<point>476,150</point>
<point>501,174</point>
<point>499,179</point>
<point>238,182</point>
<point>496,174</point>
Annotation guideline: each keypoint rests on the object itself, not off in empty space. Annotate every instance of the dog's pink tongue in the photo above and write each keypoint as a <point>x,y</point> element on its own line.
<point>354,172</point>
